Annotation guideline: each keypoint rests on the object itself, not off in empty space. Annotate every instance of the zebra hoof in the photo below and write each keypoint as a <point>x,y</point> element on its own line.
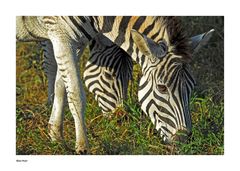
<point>55,133</point>
<point>82,150</point>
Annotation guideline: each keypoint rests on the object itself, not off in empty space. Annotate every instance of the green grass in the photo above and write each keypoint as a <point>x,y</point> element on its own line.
<point>127,131</point>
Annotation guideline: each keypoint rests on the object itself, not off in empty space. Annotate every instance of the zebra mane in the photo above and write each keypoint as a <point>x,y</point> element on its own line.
<point>177,36</point>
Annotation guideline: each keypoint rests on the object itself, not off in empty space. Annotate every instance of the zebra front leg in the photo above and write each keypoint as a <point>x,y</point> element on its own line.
<point>55,88</point>
<point>65,55</point>
<point>49,67</point>
<point>55,125</point>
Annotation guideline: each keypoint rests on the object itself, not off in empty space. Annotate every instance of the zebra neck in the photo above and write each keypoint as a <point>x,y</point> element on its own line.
<point>118,30</point>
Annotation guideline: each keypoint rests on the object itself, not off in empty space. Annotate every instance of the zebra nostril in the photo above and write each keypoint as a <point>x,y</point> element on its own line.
<point>182,136</point>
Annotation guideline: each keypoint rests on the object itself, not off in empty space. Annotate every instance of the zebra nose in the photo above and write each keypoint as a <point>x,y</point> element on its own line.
<point>182,136</point>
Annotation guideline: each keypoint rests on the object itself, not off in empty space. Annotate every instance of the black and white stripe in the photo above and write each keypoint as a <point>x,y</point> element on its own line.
<point>168,109</point>
<point>49,67</point>
<point>107,73</point>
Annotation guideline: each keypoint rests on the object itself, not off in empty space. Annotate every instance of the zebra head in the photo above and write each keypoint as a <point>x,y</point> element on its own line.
<point>166,83</point>
<point>107,73</point>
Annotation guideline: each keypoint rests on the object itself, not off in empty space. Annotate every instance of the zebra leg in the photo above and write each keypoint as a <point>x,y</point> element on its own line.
<point>56,88</point>
<point>55,125</point>
<point>49,67</point>
<point>65,54</point>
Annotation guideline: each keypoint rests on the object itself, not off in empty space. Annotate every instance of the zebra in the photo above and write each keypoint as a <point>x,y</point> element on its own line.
<point>106,74</point>
<point>158,44</point>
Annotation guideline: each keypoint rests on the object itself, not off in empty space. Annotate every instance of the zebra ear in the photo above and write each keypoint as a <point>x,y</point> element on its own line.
<point>200,40</point>
<point>147,46</point>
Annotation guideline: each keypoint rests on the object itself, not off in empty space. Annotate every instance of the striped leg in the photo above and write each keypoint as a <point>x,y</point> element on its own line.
<point>55,88</point>
<point>49,67</point>
<point>56,120</point>
<point>65,55</point>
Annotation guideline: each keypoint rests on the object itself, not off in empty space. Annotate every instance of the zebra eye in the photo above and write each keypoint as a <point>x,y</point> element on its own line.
<point>162,88</point>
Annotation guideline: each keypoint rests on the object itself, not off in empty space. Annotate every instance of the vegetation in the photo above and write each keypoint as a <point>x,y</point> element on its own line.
<point>127,131</point>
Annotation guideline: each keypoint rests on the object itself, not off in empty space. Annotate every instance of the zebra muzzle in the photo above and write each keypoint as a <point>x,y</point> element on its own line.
<point>182,136</point>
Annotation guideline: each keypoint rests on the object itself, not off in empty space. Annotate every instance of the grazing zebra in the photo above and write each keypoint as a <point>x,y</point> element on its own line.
<point>157,44</point>
<point>107,73</point>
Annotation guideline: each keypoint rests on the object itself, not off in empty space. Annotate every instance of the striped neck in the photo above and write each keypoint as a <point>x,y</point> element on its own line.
<point>118,30</point>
